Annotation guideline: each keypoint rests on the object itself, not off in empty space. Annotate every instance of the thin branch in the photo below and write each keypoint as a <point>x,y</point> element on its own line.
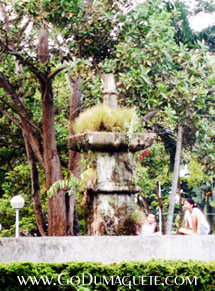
<point>23,60</point>
<point>149,115</point>
<point>211,91</point>
<point>22,116</point>
<point>19,37</point>
<point>208,116</point>
<point>8,88</point>
<point>53,74</point>
<point>11,117</point>
<point>2,143</point>
<point>32,140</point>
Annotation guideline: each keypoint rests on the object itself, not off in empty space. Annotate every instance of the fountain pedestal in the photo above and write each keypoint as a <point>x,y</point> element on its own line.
<point>114,210</point>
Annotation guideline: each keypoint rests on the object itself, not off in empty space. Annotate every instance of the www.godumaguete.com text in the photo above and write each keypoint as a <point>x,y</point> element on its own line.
<point>87,279</point>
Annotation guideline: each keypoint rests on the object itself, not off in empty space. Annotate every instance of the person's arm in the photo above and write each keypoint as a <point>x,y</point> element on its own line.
<point>186,221</point>
<point>194,223</point>
<point>186,230</point>
<point>196,220</point>
<point>198,224</point>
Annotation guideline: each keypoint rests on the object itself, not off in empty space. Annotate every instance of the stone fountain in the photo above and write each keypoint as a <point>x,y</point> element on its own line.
<point>111,200</point>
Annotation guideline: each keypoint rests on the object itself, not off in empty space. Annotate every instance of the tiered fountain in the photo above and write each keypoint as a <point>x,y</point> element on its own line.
<point>112,199</point>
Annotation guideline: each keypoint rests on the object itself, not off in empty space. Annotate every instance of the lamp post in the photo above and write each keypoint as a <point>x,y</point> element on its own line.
<point>17,202</point>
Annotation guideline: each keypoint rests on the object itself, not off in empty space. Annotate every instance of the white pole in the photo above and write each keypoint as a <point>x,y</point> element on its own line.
<point>160,217</point>
<point>17,222</point>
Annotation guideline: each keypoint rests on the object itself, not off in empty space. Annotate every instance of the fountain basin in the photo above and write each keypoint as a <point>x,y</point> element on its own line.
<point>111,141</point>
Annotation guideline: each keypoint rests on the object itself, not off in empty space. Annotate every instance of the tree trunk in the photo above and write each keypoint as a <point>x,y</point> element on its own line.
<point>28,135</point>
<point>162,210</point>
<point>32,144</point>
<point>180,206</point>
<point>57,220</point>
<point>146,205</point>
<point>35,190</point>
<point>74,157</point>
<point>43,46</point>
<point>175,180</point>
<point>57,204</point>
<point>48,157</point>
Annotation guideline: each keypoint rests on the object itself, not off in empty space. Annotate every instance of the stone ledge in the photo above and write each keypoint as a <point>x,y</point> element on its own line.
<point>111,141</point>
<point>114,190</point>
<point>107,249</point>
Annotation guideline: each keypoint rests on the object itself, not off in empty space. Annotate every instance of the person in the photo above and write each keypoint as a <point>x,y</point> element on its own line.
<point>196,222</point>
<point>150,225</point>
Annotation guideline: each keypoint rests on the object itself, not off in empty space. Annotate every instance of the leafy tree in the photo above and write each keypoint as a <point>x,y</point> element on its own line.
<point>32,52</point>
<point>19,89</point>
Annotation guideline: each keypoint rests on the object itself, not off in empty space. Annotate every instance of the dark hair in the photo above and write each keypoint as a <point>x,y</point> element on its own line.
<point>152,214</point>
<point>191,201</point>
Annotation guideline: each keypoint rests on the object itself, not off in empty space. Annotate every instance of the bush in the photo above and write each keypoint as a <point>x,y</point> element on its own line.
<point>154,274</point>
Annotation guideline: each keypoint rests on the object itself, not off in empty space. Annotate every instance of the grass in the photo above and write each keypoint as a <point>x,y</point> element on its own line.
<point>102,117</point>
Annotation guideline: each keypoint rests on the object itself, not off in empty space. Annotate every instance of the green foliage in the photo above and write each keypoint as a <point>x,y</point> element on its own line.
<point>207,6</point>
<point>196,174</point>
<point>68,185</point>
<point>152,70</point>
<point>88,26</point>
<point>18,182</point>
<point>103,118</point>
<point>183,31</point>
<point>148,176</point>
<point>190,275</point>
<point>208,35</point>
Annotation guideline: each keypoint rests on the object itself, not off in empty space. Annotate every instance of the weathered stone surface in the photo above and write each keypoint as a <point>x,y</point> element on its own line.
<point>109,91</point>
<point>114,214</point>
<point>111,201</point>
<point>116,173</point>
<point>111,141</point>
<point>107,249</point>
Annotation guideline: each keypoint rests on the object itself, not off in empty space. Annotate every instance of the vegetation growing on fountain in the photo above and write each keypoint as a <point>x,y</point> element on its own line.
<point>102,117</point>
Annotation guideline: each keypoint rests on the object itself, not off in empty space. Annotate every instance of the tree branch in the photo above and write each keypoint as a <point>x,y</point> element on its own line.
<point>23,60</point>
<point>53,74</point>
<point>8,88</point>
<point>211,91</point>
<point>11,117</point>
<point>149,115</point>
<point>208,116</point>
<point>21,33</point>
<point>6,144</point>
<point>22,116</point>
<point>24,125</point>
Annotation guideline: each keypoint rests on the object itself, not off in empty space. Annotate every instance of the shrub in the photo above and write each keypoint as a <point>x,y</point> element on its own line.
<point>60,276</point>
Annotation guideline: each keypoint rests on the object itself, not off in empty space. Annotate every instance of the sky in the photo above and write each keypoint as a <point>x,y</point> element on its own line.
<point>202,20</point>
